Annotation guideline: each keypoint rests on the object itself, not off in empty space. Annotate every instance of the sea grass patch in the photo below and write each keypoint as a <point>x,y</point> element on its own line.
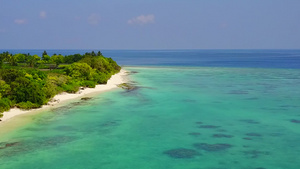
<point>238,92</point>
<point>255,153</point>
<point>182,153</point>
<point>109,123</point>
<point>247,138</point>
<point>222,136</point>
<point>212,147</point>
<point>254,134</point>
<point>64,128</point>
<point>295,121</point>
<point>209,126</point>
<point>249,121</point>
<point>194,134</point>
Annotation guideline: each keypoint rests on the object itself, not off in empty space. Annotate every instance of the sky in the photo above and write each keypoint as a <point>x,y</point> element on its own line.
<point>149,24</point>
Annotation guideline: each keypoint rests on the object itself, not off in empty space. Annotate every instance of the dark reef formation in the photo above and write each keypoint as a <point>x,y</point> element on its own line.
<point>182,153</point>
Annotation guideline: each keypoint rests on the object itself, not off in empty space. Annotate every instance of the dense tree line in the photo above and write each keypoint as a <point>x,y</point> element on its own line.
<point>28,81</point>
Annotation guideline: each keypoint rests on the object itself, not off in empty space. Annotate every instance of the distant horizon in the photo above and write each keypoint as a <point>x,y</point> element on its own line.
<point>160,49</point>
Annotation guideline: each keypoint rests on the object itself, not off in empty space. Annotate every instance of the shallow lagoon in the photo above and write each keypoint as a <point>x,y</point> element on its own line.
<point>192,118</point>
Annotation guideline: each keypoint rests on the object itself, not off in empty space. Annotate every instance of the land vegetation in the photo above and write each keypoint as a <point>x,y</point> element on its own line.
<point>30,81</point>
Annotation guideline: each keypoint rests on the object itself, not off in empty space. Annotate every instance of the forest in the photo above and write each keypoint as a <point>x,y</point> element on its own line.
<point>30,81</point>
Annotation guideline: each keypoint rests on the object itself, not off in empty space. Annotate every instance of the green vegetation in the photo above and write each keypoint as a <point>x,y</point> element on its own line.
<point>28,81</point>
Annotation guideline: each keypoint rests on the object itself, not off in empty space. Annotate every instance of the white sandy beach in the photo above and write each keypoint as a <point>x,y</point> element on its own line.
<point>111,84</point>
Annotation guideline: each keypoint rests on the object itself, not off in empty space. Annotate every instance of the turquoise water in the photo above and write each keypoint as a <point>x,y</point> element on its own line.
<point>191,118</point>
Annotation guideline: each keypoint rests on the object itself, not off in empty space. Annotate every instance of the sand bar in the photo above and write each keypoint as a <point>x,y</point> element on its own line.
<point>60,98</point>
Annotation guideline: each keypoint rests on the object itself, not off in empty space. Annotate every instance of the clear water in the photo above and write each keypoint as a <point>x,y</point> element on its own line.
<point>254,112</point>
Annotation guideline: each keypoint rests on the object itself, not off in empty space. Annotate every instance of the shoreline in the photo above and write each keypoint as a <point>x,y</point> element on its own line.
<point>63,97</point>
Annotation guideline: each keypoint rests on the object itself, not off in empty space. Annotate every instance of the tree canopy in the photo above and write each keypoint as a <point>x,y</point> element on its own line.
<point>24,85</point>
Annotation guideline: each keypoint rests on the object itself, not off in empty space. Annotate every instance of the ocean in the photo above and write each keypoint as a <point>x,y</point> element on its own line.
<point>191,109</point>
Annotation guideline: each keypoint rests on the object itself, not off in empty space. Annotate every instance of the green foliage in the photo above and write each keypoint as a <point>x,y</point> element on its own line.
<point>62,66</point>
<point>73,58</point>
<point>32,60</point>
<point>5,104</point>
<point>100,77</point>
<point>46,58</point>
<point>57,59</point>
<point>79,71</point>
<point>24,90</point>
<point>28,105</point>
<point>71,87</point>
<point>50,89</point>
<point>11,59</point>
<point>10,75</point>
<point>4,89</point>
<point>88,83</point>
<point>44,53</point>
<point>27,87</point>
<point>20,58</point>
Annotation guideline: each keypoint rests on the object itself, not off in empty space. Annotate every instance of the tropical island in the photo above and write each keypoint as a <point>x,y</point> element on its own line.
<point>29,81</point>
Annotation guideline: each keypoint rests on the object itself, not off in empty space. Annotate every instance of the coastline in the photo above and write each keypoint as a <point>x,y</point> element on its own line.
<point>63,97</point>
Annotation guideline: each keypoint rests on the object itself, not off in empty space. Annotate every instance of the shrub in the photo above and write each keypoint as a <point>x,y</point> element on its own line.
<point>24,90</point>
<point>79,71</point>
<point>88,83</point>
<point>28,105</point>
<point>100,78</point>
<point>5,104</point>
<point>71,87</point>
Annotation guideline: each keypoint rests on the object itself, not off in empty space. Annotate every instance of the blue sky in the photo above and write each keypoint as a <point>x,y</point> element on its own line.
<point>150,24</point>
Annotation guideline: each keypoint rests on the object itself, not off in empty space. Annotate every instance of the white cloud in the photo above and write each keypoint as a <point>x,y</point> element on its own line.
<point>20,21</point>
<point>43,14</point>
<point>93,19</point>
<point>142,19</point>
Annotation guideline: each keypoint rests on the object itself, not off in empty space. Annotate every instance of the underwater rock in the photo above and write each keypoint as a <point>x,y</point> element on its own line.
<point>199,122</point>
<point>195,134</point>
<point>86,98</point>
<point>253,134</point>
<point>132,72</point>
<point>222,136</point>
<point>127,86</point>
<point>9,145</point>
<point>212,147</point>
<point>182,153</point>
<point>209,126</point>
<point>295,121</point>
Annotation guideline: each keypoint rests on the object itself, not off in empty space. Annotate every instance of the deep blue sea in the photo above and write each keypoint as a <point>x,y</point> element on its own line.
<point>288,59</point>
<point>191,109</point>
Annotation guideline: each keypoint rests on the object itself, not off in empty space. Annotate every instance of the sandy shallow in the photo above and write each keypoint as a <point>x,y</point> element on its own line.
<point>60,98</point>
